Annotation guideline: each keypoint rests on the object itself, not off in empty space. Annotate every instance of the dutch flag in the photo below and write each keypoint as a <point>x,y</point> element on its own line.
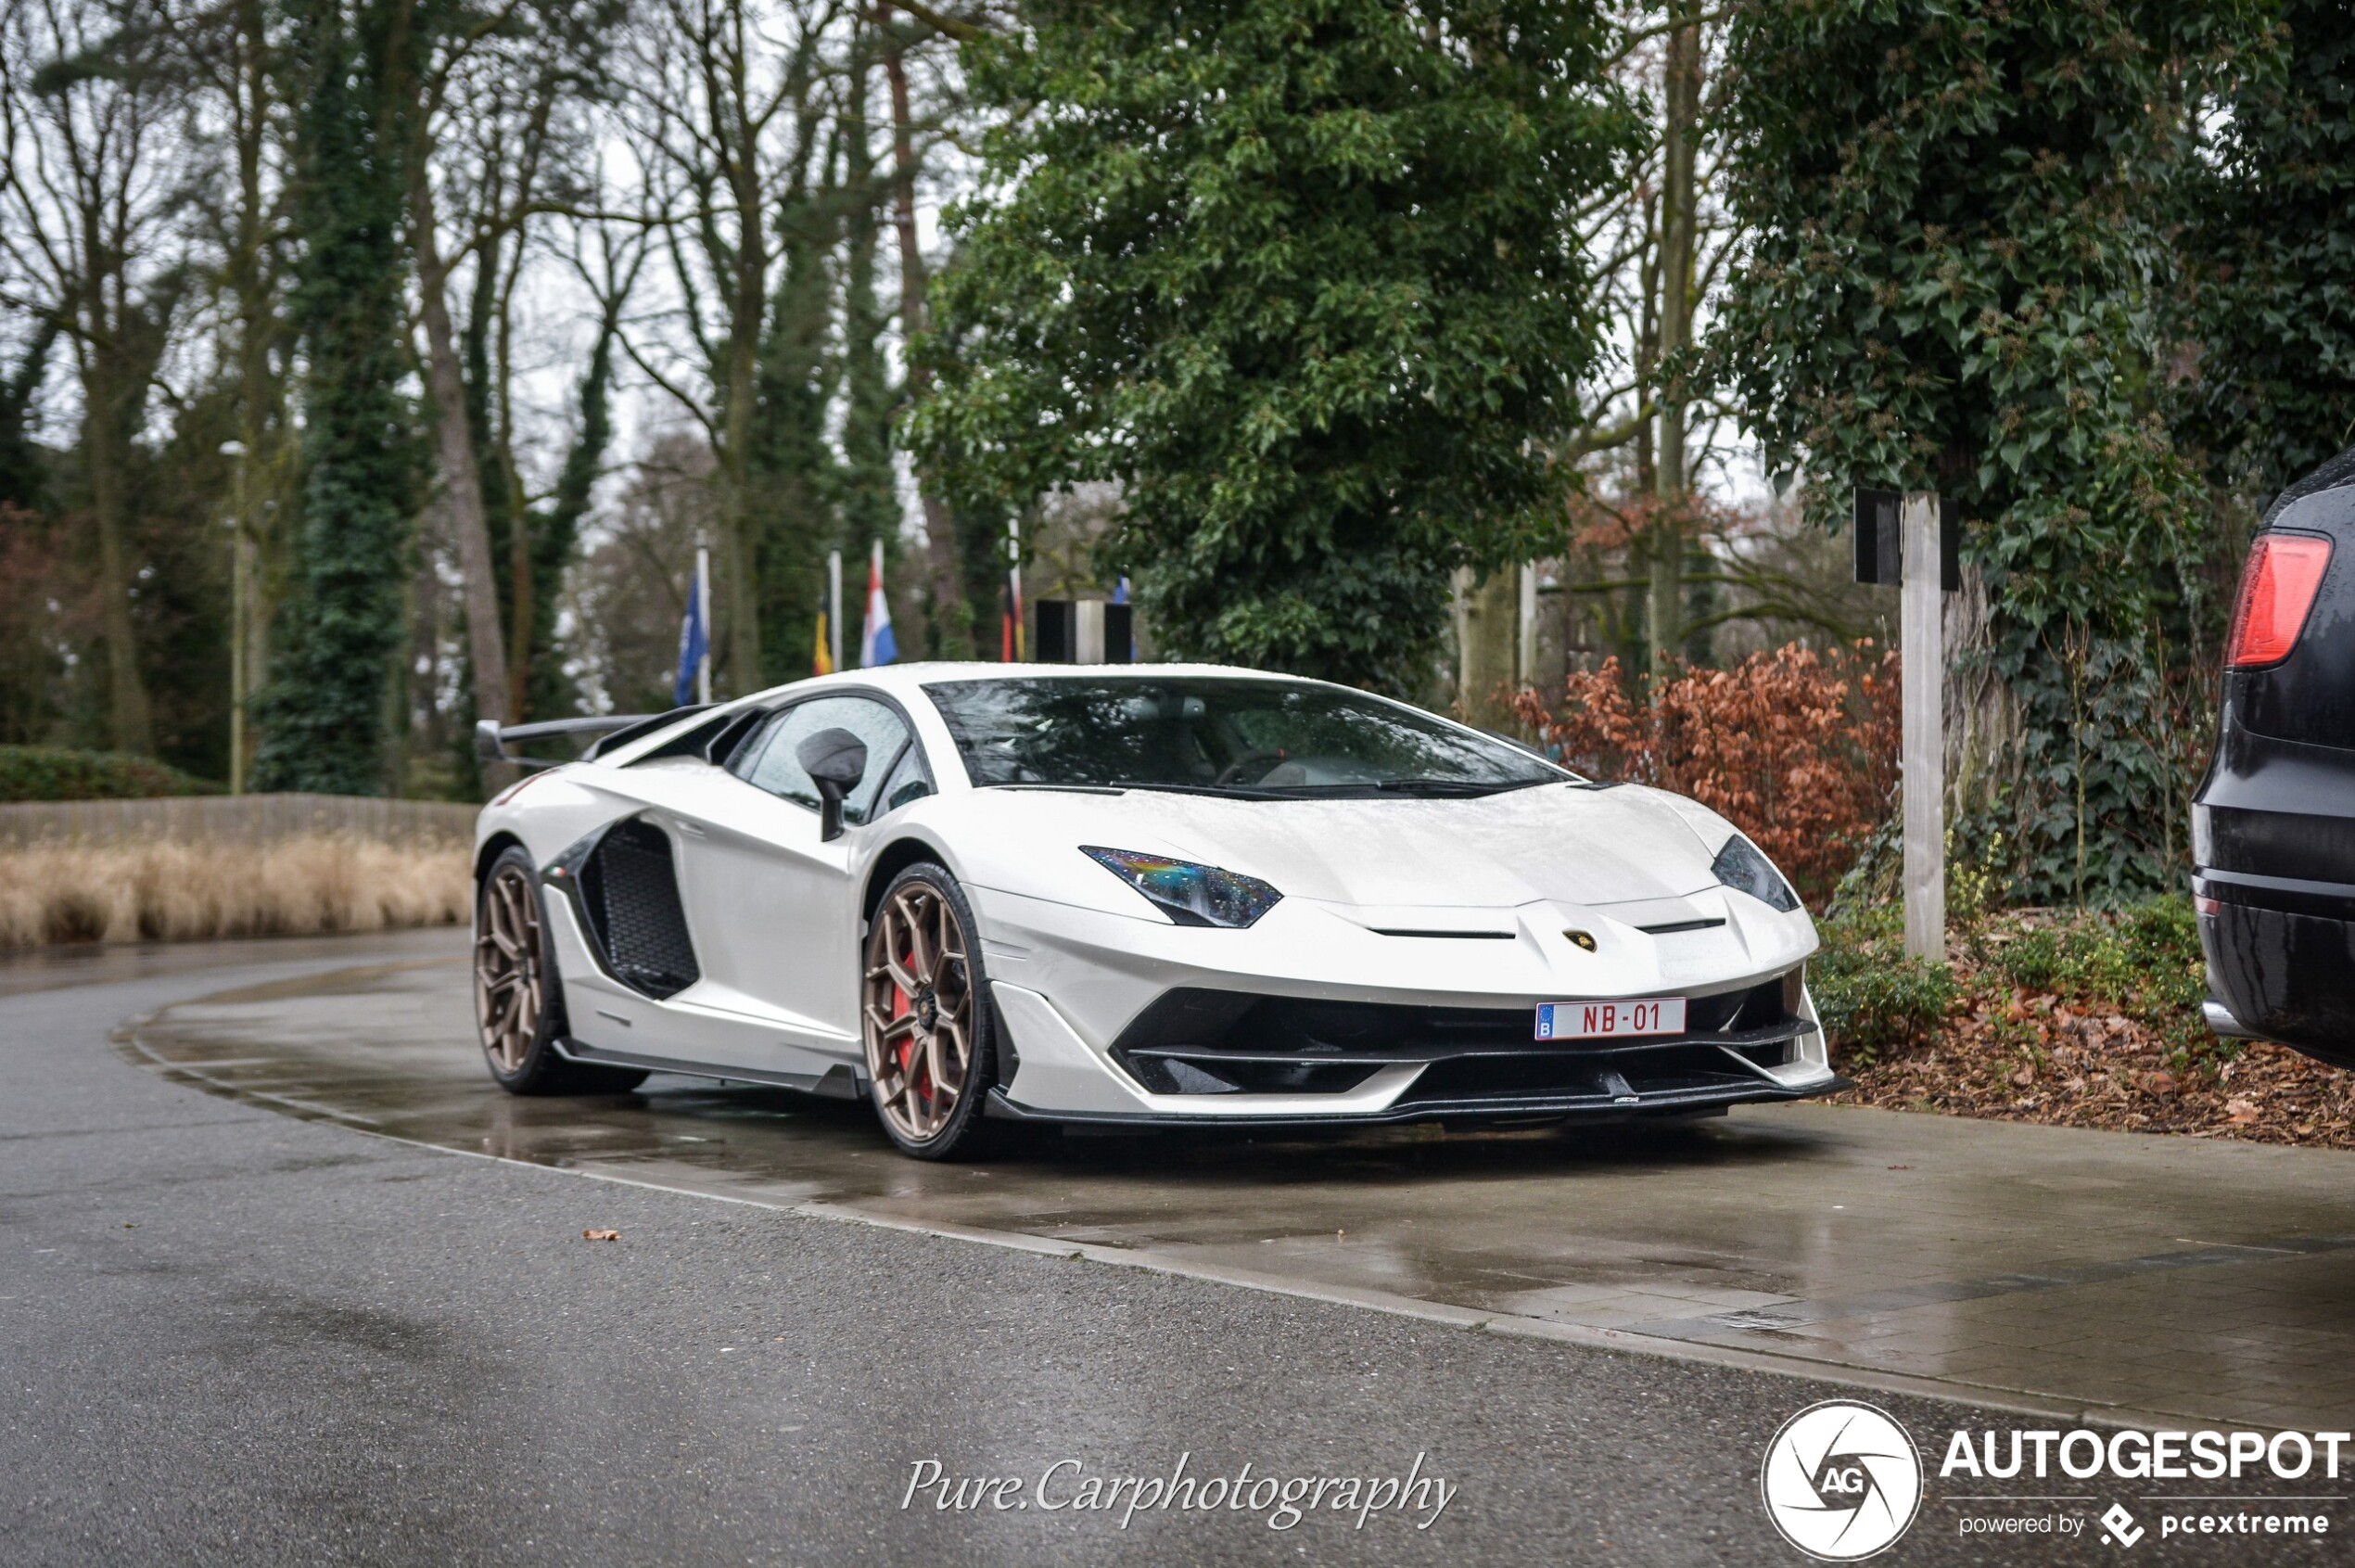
<point>877,646</point>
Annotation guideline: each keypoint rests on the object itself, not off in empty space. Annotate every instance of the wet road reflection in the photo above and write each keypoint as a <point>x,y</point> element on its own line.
<point>1999,1259</point>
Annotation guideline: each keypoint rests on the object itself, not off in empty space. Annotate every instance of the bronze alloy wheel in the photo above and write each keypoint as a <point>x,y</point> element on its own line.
<point>918,1008</point>
<point>509,981</point>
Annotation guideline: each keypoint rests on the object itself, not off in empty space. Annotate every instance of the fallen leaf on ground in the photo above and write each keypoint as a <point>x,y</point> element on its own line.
<point>601,1235</point>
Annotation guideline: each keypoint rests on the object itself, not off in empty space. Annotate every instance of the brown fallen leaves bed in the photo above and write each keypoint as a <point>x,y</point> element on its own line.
<point>2076,1020</point>
<point>2021,1056</point>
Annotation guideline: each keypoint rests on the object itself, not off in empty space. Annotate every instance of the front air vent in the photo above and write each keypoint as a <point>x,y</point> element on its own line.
<point>1675,925</point>
<point>1458,935</point>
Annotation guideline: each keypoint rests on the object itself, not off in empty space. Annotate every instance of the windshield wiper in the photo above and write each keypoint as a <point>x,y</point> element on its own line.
<point>1374,789</point>
<point>1220,792</point>
<point>1445,788</point>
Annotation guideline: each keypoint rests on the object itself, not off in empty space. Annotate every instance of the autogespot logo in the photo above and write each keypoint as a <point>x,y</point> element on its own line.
<point>1841,1480</point>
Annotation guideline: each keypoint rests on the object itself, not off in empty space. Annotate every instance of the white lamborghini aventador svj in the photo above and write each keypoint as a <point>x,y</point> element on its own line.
<point>1128,894</point>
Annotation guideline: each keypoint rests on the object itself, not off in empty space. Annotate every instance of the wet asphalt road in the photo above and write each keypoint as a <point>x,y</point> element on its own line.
<point>228,1335</point>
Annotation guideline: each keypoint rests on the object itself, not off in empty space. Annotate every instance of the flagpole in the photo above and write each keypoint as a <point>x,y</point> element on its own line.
<point>1013,579</point>
<point>702,601</point>
<point>833,608</point>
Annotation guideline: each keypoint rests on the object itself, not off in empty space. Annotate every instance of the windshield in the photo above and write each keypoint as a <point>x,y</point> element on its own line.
<point>1248,738</point>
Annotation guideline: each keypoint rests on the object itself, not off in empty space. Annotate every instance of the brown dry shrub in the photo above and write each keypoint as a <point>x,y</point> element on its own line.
<point>1797,748</point>
<point>165,891</point>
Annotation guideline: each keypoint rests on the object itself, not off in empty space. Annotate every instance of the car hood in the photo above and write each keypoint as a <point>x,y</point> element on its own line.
<point>1568,843</point>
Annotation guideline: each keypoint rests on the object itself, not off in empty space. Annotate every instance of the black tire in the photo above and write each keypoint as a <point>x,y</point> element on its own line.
<point>519,997</point>
<point>906,1033</point>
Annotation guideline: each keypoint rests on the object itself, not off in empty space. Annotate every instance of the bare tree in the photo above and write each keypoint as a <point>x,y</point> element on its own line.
<point>725,112</point>
<point>948,593</point>
<point>94,187</point>
<point>232,62</point>
<point>445,374</point>
<point>1661,244</point>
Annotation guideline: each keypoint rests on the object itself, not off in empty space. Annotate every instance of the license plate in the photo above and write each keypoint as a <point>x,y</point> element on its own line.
<point>1609,1020</point>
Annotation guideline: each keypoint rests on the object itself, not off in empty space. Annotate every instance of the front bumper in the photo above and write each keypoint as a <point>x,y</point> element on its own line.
<point>1094,1007</point>
<point>1200,1055</point>
<point>1586,1107</point>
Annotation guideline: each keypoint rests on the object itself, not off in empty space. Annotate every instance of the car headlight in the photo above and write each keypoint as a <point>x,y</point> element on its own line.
<point>1741,864</point>
<point>1187,893</point>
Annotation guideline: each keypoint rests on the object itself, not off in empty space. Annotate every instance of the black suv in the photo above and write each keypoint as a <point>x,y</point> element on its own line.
<point>2273,824</point>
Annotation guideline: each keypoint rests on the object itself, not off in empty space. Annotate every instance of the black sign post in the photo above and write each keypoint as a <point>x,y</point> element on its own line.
<point>1880,548</point>
<point>1082,631</point>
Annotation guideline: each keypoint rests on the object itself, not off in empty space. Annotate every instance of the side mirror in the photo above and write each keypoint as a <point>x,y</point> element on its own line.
<point>835,761</point>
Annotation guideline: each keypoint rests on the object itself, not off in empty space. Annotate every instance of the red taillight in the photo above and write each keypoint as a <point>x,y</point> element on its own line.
<point>2277,590</point>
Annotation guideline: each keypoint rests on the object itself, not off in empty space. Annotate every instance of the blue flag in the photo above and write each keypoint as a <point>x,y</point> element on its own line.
<point>694,639</point>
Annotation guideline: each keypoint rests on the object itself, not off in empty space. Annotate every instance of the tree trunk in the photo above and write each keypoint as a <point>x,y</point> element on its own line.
<point>1489,631</point>
<point>749,304</point>
<point>130,724</point>
<point>257,394</point>
<point>461,478</point>
<point>738,556</point>
<point>940,536</point>
<point>1681,101</point>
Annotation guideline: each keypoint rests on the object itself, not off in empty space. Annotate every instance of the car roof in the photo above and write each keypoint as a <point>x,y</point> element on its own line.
<point>907,680</point>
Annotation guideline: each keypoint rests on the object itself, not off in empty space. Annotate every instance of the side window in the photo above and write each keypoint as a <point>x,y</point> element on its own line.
<point>907,782</point>
<point>770,763</point>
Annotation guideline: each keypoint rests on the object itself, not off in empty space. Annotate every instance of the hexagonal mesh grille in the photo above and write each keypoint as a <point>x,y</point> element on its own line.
<point>632,894</point>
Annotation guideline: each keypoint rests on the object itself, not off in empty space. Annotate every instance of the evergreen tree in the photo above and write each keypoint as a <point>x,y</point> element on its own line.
<point>341,625</point>
<point>867,480</point>
<point>1958,245</point>
<point>23,482</point>
<point>2271,363</point>
<point>1303,277</point>
<point>557,536</point>
<point>792,463</point>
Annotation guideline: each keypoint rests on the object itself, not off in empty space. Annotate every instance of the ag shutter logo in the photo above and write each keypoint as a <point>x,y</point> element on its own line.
<point>1841,1480</point>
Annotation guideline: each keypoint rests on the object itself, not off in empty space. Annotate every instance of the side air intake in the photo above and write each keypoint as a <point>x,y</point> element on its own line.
<point>626,891</point>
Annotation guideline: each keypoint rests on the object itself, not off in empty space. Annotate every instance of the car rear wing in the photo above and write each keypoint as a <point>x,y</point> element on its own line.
<point>491,740</point>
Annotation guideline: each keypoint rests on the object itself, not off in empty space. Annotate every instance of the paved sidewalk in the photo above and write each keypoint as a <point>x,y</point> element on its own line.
<point>2142,1279</point>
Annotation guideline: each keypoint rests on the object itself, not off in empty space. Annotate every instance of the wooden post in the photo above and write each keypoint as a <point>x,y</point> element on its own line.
<point>1525,640</point>
<point>1920,611</point>
<point>834,609</point>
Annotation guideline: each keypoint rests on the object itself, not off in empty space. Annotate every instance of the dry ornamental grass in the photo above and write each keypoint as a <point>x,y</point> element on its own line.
<point>125,893</point>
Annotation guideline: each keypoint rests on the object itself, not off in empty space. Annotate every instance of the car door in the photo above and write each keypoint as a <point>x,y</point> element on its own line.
<point>644,992</point>
<point>775,909</point>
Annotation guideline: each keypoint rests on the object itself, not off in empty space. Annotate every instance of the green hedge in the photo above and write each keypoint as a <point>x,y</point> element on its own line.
<point>54,772</point>
<point>1874,998</point>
